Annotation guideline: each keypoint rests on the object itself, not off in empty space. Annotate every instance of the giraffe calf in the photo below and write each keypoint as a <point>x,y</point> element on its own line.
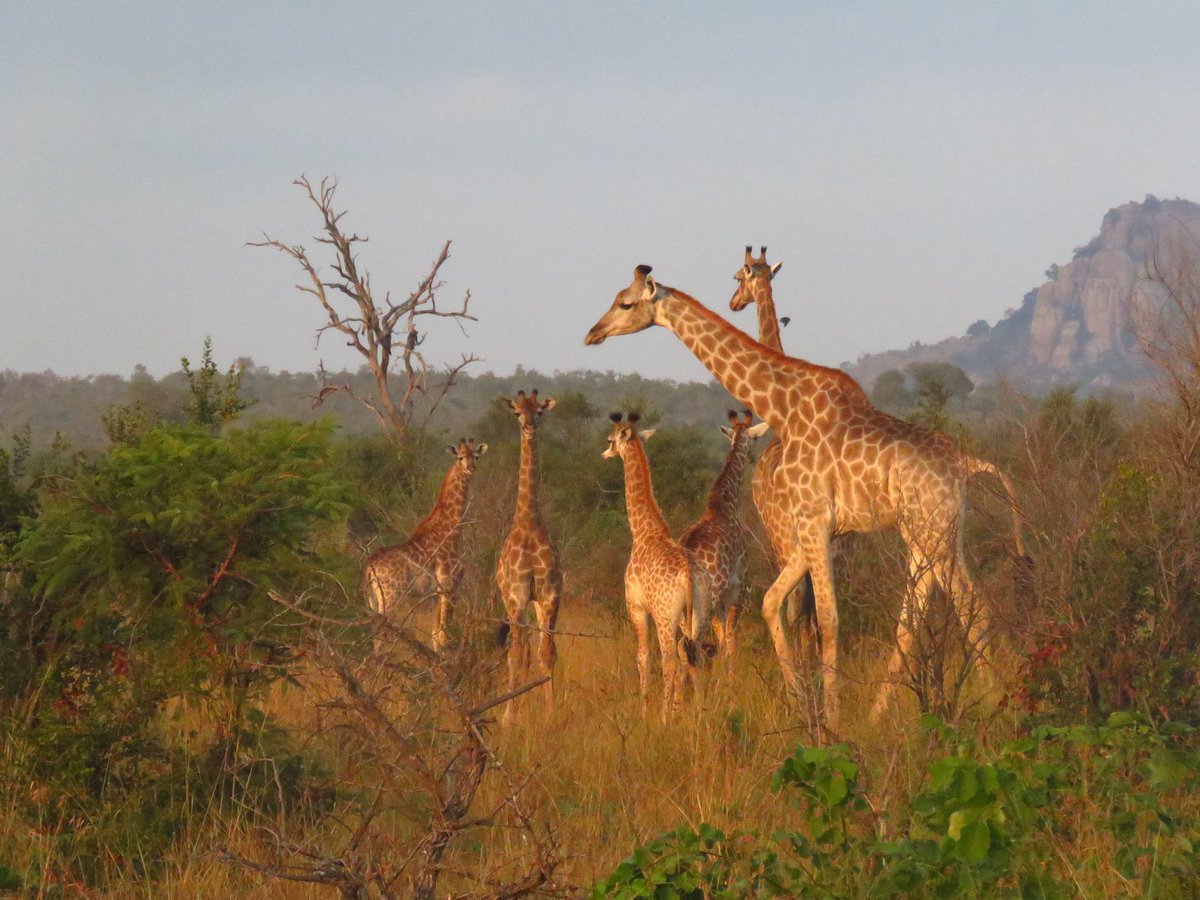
<point>430,561</point>
<point>527,572</point>
<point>663,583</point>
<point>717,541</point>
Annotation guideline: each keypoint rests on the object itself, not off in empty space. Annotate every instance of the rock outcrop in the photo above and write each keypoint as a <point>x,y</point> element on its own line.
<point>1081,327</point>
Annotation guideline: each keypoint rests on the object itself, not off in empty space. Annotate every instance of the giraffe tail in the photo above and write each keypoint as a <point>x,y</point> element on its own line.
<point>980,467</point>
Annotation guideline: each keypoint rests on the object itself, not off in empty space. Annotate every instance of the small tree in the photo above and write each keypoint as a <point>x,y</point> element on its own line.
<point>891,391</point>
<point>385,335</point>
<point>213,403</point>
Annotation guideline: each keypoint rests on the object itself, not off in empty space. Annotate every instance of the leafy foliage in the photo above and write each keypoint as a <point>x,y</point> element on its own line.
<point>150,574</point>
<point>978,827</point>
<point>213,401</point>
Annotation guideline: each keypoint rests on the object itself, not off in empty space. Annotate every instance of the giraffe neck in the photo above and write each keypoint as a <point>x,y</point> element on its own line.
<point>645,518</point>
<point>743,366</point>
<point>726,491</point>
<point>527,481</point>
<point>451,504</point>
<point>768,322</point>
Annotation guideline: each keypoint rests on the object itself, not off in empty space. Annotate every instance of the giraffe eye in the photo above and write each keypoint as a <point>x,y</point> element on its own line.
<point>626,306</point>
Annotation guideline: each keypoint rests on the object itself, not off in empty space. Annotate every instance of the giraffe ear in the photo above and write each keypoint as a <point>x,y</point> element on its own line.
<point>452,450</point>
<point>757,431</point>
<point>647,434</point>
<point>728,432</point>
<point>775,269</point>
<point>549,404</point>
<point>480,449</point>
<point>651,289</point>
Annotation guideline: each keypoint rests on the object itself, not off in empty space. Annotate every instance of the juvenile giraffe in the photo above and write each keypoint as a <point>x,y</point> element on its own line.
<point>754,286</point>
<point>430,561</point>
<point>662,582</point>
<point>845,465</point>
<point>528,573</point>
<point>718,541</point>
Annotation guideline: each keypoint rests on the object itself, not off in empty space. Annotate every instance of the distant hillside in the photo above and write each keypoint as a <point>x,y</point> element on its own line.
<point>1075,328</point>
<point>47,404</point>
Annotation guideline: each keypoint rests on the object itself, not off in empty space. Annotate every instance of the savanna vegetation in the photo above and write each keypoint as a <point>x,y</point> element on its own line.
<point>194,700</point>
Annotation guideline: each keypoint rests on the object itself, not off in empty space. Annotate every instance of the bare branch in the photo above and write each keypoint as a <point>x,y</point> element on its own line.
<point>379,333</point>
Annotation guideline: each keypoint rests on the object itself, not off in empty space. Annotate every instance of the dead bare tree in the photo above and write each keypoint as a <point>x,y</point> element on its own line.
<point>386,335</point>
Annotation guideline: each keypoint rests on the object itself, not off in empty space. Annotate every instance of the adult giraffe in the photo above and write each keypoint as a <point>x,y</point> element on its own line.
<point>754,286</point>
<point>845,466</point>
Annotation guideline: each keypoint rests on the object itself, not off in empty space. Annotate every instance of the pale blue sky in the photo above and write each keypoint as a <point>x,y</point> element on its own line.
<point>916,166</point>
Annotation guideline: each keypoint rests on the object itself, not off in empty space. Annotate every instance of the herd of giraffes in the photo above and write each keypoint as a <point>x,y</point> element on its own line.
<point>836,465</point>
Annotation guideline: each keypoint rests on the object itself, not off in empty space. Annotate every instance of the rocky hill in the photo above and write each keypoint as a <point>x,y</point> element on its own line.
<point>1079,327</point>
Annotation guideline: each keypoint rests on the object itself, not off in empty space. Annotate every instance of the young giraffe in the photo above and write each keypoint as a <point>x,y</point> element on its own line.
<point>717,541</point>
<point>846,466</point>
<point>430,561</point>
<point>527,572</point>
<point>662,581</point>
<point>754,286</point>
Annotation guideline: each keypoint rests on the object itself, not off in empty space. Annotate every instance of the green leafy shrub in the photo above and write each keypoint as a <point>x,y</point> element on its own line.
<point>150,575</point>
<point>980,825</point>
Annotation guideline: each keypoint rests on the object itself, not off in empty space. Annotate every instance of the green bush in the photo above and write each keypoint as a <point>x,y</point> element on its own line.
<point>979,826</point>
<point>149,578</point>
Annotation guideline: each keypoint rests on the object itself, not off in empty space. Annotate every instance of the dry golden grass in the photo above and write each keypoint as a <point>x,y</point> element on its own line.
<point>606,778</point>
<point>602,776</point>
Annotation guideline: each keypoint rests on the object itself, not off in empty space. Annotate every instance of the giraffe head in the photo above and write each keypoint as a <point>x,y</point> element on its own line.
<point>632,310</point>
<point>528,409</point>
<point>624,434</point>
<point>465,452</point>
<point>754,280</point>
<point>740,429</point>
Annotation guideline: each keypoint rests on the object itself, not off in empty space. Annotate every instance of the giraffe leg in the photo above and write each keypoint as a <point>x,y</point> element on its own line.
<point>547,616</point>
<point>517,639</point>
<point>731,619</point>
<point>972,612</point>
<point>793,570</point>
<point>377,601</point>
<point>815,544</point>
<point>912,613</point>
<point>668,647</point>
<point>640,620</point>
<point>718,627</point>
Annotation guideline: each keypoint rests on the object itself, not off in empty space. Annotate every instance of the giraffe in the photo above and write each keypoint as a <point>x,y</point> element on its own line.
<point>754,286</point>
<point>717,541</point>
<point>527,572</point>
<point>662,581</point>
<point>844,465</point>
<point>430,561</point>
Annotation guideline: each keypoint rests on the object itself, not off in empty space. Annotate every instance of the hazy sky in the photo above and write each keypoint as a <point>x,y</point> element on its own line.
<point>916,166</point>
